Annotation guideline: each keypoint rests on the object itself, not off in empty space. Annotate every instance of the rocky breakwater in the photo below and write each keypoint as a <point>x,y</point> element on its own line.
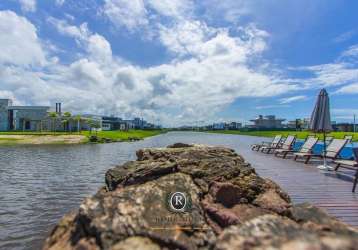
<point>195,197</point>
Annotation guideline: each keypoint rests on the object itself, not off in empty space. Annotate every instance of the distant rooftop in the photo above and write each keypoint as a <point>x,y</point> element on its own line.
<point>27,107</point>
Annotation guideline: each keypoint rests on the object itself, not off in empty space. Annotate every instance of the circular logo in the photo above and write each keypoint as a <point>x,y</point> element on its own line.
<point>178,202</point>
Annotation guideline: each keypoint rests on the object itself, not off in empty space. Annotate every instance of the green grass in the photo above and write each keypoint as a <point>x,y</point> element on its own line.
<point>299,134</point>
<point>118,135</point>
<point>10,139</point>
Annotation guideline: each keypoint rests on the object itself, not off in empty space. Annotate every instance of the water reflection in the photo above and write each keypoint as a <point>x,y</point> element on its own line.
<point>39,184</point>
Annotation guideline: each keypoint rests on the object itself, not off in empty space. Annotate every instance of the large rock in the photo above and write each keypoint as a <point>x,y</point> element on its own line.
<point>228,207</point>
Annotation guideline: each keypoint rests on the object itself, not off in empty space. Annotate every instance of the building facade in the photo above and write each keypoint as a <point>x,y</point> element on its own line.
<point>267,122</point>
<point>226,126</point>
<point>4,114</point>
<point>26,118</point>
<point>343,127</point>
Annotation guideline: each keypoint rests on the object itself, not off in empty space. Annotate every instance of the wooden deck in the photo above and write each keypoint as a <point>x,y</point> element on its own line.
<point>305,183</point>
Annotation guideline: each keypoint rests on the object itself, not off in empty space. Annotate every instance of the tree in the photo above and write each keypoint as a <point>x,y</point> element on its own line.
<point>53,116</point>
<point>90,123</point>
<point>68,118</point>
<point>78,118</point>
<point>93,124</point>
<point>96,125</point>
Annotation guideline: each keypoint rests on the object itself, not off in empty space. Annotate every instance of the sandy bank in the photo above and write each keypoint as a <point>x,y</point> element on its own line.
<point>42,139</point>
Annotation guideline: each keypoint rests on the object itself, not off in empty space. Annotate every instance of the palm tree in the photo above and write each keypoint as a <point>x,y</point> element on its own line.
<point>68,117</point>
<point>53,116</point>
<point>78,118</point>
<point>90,124</point>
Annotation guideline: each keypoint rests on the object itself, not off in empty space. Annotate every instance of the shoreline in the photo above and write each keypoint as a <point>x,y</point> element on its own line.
<point>66,138</point>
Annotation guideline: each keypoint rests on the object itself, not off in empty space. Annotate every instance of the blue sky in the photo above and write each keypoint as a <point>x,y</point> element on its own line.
<point>181,61</point>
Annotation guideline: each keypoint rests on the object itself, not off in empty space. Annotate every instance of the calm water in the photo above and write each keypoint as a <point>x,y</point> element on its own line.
<point>39,184</point>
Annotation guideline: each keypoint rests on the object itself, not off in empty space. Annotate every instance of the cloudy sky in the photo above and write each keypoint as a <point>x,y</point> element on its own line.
<point>181,61</point>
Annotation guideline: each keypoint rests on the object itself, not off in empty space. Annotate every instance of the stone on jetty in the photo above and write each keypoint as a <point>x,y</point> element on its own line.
<point>228,206</point>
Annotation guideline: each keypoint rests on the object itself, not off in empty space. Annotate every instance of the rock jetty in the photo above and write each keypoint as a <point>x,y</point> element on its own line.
<point>195,197</point>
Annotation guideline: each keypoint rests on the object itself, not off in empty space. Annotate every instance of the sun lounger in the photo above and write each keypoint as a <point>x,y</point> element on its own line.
<point>276,141</point>
<point>329,139</point>
<point>307,147</point>
<point>286,145</point>
<point>349,164</point>
<point>349,138</point>
<point>332,151</point>
<point>286,148</point>
<point>310,136</point>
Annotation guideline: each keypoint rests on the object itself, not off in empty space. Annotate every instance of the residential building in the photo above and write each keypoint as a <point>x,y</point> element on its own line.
<point>234,125</point>
<point>138,123</point>
<point>219,126</point>
<point>306,123</point>
<point>36,118</point>
<point>300,124</point>
<point>267,122</point>
<point>27,118</point>
<point>292,124</point>
<point>225,125</point>
<point>343,127</point>
<point>111,123</point>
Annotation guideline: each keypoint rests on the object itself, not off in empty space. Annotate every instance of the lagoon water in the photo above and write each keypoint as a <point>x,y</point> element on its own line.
<point>39,184</point>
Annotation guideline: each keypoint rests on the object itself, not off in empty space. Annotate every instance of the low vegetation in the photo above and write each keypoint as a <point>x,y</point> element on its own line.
<point>299,134</point>
<point>118,135</point>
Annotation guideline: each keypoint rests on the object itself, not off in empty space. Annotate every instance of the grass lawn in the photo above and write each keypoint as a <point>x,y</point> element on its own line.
<point>299,134</point>
<point>118,135</point>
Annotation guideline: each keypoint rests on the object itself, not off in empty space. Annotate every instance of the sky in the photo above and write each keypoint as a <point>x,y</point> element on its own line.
<point>181,62</point>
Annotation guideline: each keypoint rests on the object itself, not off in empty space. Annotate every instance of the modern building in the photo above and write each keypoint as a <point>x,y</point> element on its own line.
<point>267,122</point>
<point>116,123</point>
<point>26,118</point>
<point>138,123</point>
<point>219,126</point>
<point>234,125</point>
<point>343,127</point>
<point>302,124</point>
<point>226,126</point>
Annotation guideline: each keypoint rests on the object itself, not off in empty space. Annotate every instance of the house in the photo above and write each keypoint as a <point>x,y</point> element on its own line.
<point>267,122</point>
<point>219,126</point>
<point>299,124</point>
<point>138,123</point>
<point>234,125</point>
<point>111,123</point>
<point>27,118</point>
<point>343,127</point>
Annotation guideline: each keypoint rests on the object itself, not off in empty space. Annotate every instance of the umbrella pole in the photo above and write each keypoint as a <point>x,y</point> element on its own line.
<point>325,165</point>
<point>324,149</point>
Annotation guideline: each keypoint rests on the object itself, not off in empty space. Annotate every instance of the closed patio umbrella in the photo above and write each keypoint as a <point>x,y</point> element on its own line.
<point>321,121</point>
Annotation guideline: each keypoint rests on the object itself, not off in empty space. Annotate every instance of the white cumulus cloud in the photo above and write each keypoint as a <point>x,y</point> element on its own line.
<point>210,70</point>
<point>60,2</point>
<point>28,5</point>
<point>19,42</point>
<point>129,14</point>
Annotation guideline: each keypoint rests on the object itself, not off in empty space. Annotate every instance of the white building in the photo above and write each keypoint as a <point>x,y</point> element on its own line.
<point>267,122</point>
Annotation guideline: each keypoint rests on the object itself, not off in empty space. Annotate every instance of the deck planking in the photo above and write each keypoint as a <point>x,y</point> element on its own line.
<point>305,183</point>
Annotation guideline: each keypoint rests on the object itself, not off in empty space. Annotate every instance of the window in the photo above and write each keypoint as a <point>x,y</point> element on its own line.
<point>27,125</point>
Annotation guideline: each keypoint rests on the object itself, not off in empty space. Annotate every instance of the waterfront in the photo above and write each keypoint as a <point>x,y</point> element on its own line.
<point>39,184</point>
